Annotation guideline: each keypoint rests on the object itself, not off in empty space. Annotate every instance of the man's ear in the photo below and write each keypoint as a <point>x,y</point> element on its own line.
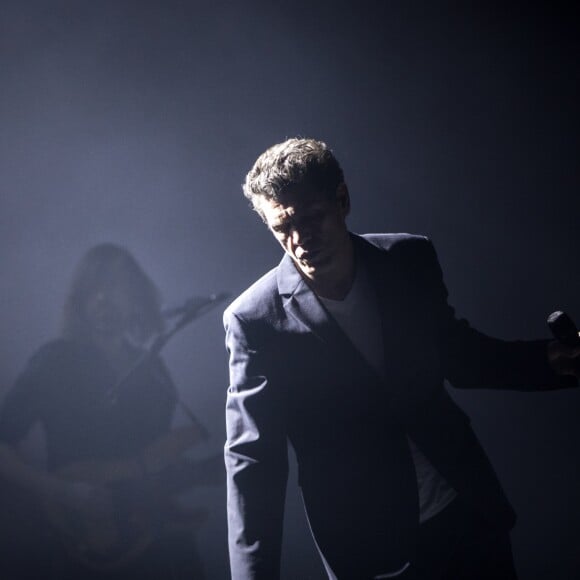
<point>343,198</point>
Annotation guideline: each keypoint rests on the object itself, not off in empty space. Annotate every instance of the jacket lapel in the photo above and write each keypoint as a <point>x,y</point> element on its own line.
<point>385,282</point>
<point>406,373</point>
<point>347,363</point>
<point>302,304</point>
<point>304,307</point>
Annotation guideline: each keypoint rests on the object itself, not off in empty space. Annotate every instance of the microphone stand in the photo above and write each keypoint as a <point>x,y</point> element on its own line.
<point>193,310</point>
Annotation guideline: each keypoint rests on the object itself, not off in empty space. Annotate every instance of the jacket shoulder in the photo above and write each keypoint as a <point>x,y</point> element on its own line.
<point>258,301</point>
<point>396,241</point>
<point>404,248</point>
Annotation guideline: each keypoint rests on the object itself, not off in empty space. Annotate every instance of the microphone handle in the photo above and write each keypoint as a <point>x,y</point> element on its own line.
<point>563,328</point>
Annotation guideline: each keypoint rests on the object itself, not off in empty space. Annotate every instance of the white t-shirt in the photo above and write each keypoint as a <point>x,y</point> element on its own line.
<point>358,316</point>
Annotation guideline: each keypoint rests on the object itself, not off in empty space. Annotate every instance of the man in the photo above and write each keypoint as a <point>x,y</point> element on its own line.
<point>342,350</point>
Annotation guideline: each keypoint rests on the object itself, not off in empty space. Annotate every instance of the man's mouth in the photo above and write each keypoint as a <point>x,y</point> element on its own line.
<point>308,255</point>
<point>311,258</point>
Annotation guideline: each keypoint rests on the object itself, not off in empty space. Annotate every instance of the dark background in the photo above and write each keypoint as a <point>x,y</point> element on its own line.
<point>135,122</point>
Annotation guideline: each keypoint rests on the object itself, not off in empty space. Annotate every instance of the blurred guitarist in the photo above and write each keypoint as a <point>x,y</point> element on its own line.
<point>111,311</point>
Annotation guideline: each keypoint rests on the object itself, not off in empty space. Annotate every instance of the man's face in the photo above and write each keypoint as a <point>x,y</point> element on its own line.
<point>311,228</point>
<point>109,307</point>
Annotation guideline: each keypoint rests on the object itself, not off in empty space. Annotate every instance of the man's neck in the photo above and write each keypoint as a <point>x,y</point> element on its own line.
<point>335,284</point>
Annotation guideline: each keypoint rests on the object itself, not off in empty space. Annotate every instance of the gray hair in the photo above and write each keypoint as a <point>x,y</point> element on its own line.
<point>295,163</point>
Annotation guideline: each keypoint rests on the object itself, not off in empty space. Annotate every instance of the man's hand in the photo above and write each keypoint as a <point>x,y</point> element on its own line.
<point>565,360</point>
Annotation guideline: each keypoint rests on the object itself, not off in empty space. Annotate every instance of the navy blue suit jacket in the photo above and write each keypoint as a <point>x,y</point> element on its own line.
<point>294,376</point>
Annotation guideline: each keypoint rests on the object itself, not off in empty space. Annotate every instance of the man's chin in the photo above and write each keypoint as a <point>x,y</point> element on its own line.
<point>312,270</point>
<point>304,267</point>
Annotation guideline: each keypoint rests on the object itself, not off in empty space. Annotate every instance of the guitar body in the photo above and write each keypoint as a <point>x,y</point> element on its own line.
<point>143,505</point>
<point>106,543</point>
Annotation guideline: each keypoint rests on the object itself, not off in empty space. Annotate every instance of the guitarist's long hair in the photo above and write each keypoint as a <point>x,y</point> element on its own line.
<point>99,266</point>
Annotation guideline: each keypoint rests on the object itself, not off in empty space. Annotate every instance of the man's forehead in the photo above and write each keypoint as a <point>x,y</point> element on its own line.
<point>293,202</point>
<point>274,212</point>
<point>301,194</point>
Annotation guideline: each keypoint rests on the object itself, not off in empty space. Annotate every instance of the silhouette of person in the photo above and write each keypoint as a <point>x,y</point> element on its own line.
<point>342,350</point>
<point>77,527</point>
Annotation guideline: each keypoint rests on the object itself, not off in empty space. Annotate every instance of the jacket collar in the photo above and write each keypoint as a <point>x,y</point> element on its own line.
<point>290,282</point>
<point>302,305</point>
<point>301,302</point>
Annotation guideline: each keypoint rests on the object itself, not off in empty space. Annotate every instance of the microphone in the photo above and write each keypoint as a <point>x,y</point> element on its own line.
<point>563,328</point>
<point>194,305</point>
<point>188,311</point>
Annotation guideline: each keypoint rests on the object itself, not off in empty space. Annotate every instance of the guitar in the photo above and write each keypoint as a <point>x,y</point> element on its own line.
<point>143,502</point>
<point>143,505</point>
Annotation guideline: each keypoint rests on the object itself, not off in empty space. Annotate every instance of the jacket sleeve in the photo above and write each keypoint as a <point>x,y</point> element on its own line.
<point>472,359</point>
<point>256,458</point>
